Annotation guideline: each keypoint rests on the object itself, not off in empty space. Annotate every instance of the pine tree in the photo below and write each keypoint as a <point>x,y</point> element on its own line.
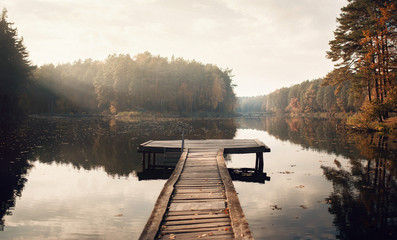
<point>364,49</point>
<point>14,68</point>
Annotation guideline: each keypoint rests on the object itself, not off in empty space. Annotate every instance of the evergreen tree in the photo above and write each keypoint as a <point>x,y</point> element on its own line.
<point>14,68</point>
<point>365,49</point>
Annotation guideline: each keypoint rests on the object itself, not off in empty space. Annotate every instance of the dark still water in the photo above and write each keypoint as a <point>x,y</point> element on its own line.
<point>67,178</point>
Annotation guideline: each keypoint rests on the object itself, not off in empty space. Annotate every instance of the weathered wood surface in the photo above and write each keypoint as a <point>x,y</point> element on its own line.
<point>229,145</point>
<point>201,204</point>
<point>198,208</point>
<point>154,221</point>
<point>199,200</point>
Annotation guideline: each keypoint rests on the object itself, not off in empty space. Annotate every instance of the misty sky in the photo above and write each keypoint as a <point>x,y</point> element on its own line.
<point>269,44</point>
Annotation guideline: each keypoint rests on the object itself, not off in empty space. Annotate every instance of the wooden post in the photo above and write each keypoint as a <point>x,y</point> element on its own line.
<point>257,161</point>
<point>143,160</point>
<point>260,162</point>
<point>154,160</point>
<point>183,140</point>
<point>148,160</point>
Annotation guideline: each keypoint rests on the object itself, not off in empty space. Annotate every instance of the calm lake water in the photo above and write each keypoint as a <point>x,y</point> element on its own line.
<point>76,178</point>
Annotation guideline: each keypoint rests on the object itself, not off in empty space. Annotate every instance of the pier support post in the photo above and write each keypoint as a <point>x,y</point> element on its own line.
<point>259,162</point>
<point>148,161</point>
<point>143,160</point>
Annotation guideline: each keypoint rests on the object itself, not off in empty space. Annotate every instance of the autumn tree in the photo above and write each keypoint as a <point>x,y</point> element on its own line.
<point>364,49</point>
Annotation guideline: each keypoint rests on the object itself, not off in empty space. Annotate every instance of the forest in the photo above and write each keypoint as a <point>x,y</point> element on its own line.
<point>364,80</point>
<point>119,83</point>
<point>307,97</point>
<point>122,83</point>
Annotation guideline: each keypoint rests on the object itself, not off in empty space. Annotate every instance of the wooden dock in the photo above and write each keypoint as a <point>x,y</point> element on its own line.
<point>199,200</point>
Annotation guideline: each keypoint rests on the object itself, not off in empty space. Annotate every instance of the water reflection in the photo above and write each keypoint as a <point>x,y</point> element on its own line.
<point>14,165</point>
<point>160,166</point>
<point>360,197</point>
<point>364,197</point>
<point>89,144</point>
<point>248,175</point>
<point>364,200</point>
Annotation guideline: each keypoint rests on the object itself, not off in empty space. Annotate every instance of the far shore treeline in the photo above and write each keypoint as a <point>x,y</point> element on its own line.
<point>119,83</point>
<point>122,83</point>
<point>306,97</point>
<point>363,82</point>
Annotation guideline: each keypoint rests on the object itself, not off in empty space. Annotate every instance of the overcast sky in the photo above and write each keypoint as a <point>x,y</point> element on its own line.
<point>269,44</point>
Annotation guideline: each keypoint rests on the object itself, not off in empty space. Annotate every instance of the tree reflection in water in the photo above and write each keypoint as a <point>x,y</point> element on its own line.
<point>364,197</point>
<point>88,143</point>
<point>364,200</point>
<point>14,166</point>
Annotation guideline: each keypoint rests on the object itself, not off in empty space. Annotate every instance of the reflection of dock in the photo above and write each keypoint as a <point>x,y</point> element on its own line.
<point>199,199</point>
<point>248,175</point>
<point>237,174</point>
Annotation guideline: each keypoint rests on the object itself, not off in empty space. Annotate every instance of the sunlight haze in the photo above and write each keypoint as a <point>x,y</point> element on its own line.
<point>268,44</point>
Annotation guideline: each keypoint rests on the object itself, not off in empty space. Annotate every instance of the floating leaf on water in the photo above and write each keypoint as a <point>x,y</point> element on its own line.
<point>275,207</point>
<point>329,201</point>
<point>337,163</point>
<point>286,172</point>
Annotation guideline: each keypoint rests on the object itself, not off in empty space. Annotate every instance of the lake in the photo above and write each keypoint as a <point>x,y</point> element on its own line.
<point>82,178</point>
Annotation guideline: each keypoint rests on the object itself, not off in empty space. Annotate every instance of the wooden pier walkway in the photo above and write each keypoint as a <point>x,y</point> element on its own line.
<point>199,200</point>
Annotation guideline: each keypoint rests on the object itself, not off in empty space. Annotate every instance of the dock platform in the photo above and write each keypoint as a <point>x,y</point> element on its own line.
<point>199,200</point>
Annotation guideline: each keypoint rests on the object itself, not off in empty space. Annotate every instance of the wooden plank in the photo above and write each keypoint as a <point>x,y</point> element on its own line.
<point>239,222</point>
<point>197,195</point>
<point>202,216</point>
<point>200,181</point>
<point>154,221</point>
<point>229,145</point>
<point>187,177</point>
<point>264,147</point>
<point>205,235</point>
<point>213,205</point>
<point>195,221</point>
<point>199,185</point>
<point>194,227</point>
<point>197,200</point>
<point>198,190</point>
<point>146,143</point>
<point>203,229</point>
<point>195,212</point>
